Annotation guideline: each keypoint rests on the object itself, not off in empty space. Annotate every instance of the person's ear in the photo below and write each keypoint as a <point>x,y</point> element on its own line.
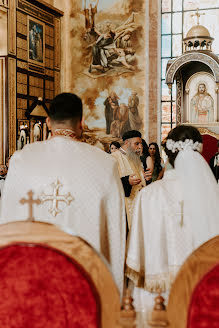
<point>48,122</point>
<point>82,123</point>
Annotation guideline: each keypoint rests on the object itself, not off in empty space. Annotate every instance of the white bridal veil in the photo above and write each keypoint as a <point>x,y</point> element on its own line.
<point>200,194</point>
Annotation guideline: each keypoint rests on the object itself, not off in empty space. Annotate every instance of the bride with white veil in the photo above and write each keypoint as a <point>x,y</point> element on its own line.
<point>172,217</point>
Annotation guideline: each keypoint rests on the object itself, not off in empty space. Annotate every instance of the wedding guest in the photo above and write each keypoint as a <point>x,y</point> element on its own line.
<point>157,161</point>
<point>115,145</point>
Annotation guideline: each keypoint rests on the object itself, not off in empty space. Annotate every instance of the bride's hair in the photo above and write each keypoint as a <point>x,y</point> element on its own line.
<point>181,133</point>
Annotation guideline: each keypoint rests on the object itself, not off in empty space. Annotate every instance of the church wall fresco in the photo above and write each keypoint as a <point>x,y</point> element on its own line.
<point>108,66</point>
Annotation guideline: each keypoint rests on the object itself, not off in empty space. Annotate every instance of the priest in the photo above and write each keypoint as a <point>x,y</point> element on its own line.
<point>130,169</point>
<point>78,185</point>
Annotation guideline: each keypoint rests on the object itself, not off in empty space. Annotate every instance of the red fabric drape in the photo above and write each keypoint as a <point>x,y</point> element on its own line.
<point>209,146</point>
<point>204,306</point>
<point>42,288</point>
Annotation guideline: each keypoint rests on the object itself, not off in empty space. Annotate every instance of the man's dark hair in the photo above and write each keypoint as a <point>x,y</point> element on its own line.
<point>66,107</point>
<point>131,134</point>
<point>181,132</point>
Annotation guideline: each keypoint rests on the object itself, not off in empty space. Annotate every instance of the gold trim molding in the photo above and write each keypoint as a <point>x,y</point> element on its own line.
<point>209,132</point>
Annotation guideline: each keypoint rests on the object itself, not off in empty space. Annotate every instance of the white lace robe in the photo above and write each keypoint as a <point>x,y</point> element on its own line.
<point>97,211</point>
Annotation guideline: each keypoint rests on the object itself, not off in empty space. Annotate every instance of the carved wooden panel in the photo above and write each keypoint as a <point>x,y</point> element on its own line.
<point>34,78</point>
<point>12,28</point>
<point>12,104</point>
<point>57,44</point>
<point>3,92</point>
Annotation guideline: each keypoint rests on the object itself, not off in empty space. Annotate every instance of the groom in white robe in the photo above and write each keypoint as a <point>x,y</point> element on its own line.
<point>78,185</point>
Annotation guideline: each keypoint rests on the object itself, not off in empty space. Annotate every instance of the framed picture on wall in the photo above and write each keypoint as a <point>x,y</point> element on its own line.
<point>36,41</point>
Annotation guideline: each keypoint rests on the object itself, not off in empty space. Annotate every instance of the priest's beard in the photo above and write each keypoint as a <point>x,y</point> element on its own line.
<point>134,157</point>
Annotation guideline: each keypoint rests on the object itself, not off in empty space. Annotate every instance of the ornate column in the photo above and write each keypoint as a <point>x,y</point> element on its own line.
<point>179,95</point>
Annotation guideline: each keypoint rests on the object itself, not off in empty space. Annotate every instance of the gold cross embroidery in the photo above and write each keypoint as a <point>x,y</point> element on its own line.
<point>182,212</point>
<point>55,198</point>
<point>30,201</point>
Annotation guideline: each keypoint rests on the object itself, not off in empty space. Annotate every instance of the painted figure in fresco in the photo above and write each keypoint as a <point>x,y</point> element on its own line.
<point>89,14</point>
<point>111,103</point>
<point>123,57</point>
<point>114,48</point>
<point>120,123</point>
<point>202,106</point>
<point>134,119</point>
<point>99,50</point>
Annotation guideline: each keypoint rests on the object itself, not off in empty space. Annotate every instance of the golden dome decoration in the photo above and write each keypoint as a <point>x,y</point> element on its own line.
<point>197,31</point>
<point>198,37</point>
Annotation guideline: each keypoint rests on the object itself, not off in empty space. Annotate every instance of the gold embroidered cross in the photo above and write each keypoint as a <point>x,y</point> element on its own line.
<point>30,201</point>
<point>198,15</point>
<point>182,212</point>
<point>55,198</point>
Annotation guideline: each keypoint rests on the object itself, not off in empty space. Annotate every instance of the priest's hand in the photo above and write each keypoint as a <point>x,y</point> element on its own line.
<point>148,174</point>
<point>133,180</point>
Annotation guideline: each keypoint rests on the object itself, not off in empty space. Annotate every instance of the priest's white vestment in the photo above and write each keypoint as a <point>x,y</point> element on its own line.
<point>81,193</point>
<point>126,167</point>
<point>161,238</point>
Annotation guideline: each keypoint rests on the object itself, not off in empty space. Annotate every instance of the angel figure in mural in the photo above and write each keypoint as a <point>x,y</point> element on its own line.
<point>202,106</point>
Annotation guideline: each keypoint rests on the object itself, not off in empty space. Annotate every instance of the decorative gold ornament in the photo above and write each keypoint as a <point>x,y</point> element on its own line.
<point>55,198</point>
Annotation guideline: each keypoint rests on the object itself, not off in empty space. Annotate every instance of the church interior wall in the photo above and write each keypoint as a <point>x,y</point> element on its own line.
<point>95,86</point>
<point>33,63</point>
<point>29,78</point>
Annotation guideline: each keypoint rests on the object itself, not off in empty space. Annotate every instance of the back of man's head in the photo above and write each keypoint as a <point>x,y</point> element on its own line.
<point>66,107</point>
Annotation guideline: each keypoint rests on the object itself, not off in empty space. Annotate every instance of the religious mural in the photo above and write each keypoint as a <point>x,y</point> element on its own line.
<point>109,66</point>
<point>201,99</point>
